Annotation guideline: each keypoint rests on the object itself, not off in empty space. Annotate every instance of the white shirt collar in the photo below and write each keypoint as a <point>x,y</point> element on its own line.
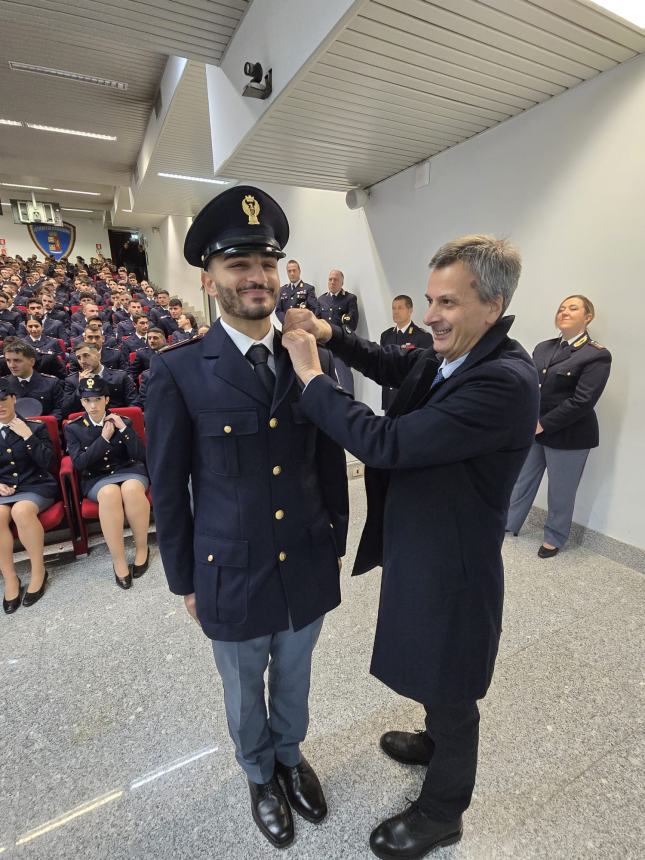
<point>571,340</point>
<point>26,379</point>
<point>243,342</point>
<point>448,367</point>
<point>100,424</point>
<point>405,327</point>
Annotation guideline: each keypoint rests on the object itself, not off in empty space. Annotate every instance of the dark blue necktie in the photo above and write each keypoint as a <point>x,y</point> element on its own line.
<point>258,355</point>
<point>438,378</point>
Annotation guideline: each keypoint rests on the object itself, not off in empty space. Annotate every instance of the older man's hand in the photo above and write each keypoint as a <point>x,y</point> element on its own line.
<point>303,353</point>
<point>301,318</point>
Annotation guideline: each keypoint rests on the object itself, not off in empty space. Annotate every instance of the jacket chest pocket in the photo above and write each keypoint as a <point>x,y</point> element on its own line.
<point>221,434</point>
<point>566,379</point>
<point>303,444</point>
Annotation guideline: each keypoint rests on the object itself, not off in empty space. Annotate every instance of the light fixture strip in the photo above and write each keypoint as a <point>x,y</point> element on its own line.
<point>33,187</point>
<point>74,131</point>
<point>72,191</point>
<point>67,209</point>
<point>80,78</point>
<point>195,178</point>
<point>10,122</point>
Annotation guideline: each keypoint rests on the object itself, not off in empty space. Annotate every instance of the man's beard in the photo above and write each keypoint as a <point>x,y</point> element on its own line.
<point>230,302</point>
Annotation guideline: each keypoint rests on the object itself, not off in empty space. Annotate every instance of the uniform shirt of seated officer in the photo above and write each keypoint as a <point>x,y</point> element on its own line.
<point>93,454</point>
<point>120,387</point>
<point>138,340</point>
<point>170,323</point>
<point>13,317</point>
<point>160,307</point>
<point>35,337</point>
<point>53,312</point>
<point>80,321</point>
<point>27,382</point>
<point>143,357</point>
<point>111,357</point>
<point>51,328</point>
<point>126,327</point>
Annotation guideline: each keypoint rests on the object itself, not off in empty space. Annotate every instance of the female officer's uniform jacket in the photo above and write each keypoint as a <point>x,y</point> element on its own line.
<point>25,463</point>
<point>572,378</point>
<point>96,458</point>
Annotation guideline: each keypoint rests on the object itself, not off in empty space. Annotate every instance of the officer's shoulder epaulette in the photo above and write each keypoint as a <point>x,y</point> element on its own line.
<point>171,346</point>
<point>596,344</point>
<point>48,375</point>
<point>77,419</point>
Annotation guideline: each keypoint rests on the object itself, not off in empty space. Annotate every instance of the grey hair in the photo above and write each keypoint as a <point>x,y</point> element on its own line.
<point>495,263</point>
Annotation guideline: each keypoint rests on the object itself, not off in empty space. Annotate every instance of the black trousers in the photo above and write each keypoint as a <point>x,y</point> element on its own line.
<point>453,739</point>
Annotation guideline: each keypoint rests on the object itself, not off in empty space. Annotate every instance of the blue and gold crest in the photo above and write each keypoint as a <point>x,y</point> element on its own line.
<point>53,241</point>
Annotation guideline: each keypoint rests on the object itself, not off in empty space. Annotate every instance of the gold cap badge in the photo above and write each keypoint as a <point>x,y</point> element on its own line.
<point>251,208</point>
<point>89,383</point>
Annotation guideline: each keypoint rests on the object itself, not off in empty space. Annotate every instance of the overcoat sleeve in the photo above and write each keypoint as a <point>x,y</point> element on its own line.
<point>386,365</point>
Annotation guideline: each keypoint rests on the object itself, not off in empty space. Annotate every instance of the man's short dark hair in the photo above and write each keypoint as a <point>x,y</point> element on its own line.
<point>164,292</point>
<point>132,299</point>
<point>20,347</point>
<point>86,295</point>
<point>406,299</point>
<point>155,330</point>
<point>4,295</point>
<point>138,317</point>
<point>84,343</point>
<point>293,261</point>
<point>176,303</point>
<point>95,318</point>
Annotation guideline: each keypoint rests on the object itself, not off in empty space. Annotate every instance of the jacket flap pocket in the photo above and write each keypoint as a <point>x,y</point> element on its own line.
<point>223,552</point>
<point>240,422</point>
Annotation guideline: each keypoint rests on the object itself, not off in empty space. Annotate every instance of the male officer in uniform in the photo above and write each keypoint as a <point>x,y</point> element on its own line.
<point>121,388</point>
<point>27,382</point>
<point>295,294</point>
<point>406,335</point>
<point>338,307</point>
<point>258,562</point>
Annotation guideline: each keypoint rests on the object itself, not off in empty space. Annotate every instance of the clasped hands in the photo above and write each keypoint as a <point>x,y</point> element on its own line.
<point>300,332</point>
<point>112,422</point>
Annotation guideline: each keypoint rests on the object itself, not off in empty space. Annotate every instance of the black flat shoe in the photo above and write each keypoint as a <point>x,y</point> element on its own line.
<point>271,812</point>
<point>412,835</point>
<point>545,552</point>
<point>124,582</point>
<point>10,606</point>
<point>303,790</point>
<point>139,569</point>
<point>32,597</point>
<point>407,747</point>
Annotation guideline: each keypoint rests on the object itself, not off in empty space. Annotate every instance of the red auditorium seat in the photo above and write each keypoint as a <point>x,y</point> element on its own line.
<point>84,510</point>
<point>55,515</point>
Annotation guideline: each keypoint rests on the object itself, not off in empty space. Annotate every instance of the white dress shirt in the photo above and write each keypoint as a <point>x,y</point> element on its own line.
<point>243,342</point>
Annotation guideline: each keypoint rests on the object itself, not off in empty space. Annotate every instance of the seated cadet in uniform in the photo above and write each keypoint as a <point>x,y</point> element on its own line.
<point>110,458</point>
<point>51,327</point>
<point>187,328</point>
<point>139,338</point>
<point>26,489</point>
<point>41,342</point>
<point>25,381</point>
<point>110,357</point>
<point>143,357</point>
<point>121,389</point>
<point>126,327</point>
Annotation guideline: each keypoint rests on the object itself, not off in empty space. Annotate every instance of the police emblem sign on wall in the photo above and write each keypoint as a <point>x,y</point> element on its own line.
<point>53,241</point>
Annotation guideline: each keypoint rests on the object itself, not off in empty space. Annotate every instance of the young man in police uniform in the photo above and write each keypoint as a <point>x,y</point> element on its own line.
<point>258,561</point>
<point>295,294</point>
<point>339,307</point>
<point>404,334</point>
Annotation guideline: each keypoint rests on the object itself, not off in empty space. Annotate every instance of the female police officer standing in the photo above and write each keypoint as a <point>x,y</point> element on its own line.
<point>111,459</point>
<point>573,371</point>
<point>26,488</point>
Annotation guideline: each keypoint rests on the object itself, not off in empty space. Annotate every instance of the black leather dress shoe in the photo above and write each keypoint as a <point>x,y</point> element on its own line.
<point>545,552</point>
<point>407,747</point>
<point>139,569</point>
<point>32,597</point>
<point>303,790</point>
<point>10,606</point>
<point>271,812</point>
<point>412,834</point>
<point>124,582</point>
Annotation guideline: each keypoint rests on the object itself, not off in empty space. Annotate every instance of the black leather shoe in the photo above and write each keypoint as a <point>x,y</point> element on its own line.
<point>10,606</point>
<point>407,747</point>
<point>545,552</point>
<point>32,597</point>
<point>126,581</point>
<point>412,834</point>
<point>139,569</point>
<point>303,790</point>
<point>271,812</point>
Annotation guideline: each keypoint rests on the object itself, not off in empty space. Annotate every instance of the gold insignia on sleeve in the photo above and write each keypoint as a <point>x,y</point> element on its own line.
<point>251,208</point>
<point>89,383</point>
<point>410,330</point>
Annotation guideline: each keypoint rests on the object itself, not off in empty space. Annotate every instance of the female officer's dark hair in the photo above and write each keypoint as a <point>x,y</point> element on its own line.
<point>587,304</point>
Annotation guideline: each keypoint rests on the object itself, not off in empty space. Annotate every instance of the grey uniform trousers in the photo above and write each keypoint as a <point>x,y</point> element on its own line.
<point>261,738</point>
<point>564,470</point>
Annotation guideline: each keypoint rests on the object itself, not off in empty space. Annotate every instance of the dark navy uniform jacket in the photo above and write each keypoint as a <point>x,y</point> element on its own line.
<point>14,318</point>
<point>6,330</point>
<point>440,469</point>
<point>43,387</point>
<point>122,391</point>
<point>95,458</point>
<point>51,328</point>
<point>572,378</point>
<point>412,337</point>
<point>340,309</point>
<point>111,358</point>
<point>132,343</point>
<point>46,345</point>
<point>25,463</point>
<point>270,490</point>
<point>298,295</point>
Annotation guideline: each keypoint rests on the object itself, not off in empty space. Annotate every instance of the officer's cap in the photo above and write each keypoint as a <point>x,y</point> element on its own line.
<point>238,221</point>
<point>93,386</point>
<point>5,387</point>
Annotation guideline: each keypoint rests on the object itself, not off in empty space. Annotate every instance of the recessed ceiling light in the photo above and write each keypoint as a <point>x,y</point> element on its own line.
<point>69,76</point>
<point>195,178</point>
<point>631,10</point>
<point>70,131</point>
<point>9,122</point>
<point>67,209</point>
<point>71,191</point>
<point>16,185</point>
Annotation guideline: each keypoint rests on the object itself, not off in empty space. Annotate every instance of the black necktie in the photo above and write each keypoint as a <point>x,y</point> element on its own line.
<point>565,343</point>
<point>24,383</point>
<point>258,355</point>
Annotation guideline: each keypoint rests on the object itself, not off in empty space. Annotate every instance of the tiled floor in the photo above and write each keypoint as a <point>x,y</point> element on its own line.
<point>114,741</point>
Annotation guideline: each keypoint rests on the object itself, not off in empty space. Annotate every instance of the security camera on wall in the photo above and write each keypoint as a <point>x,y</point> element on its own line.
<point>357,198</point>
<point>256,89</point>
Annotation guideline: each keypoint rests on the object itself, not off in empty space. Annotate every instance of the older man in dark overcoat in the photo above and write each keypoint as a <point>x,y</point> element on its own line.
<point>441,467</point>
